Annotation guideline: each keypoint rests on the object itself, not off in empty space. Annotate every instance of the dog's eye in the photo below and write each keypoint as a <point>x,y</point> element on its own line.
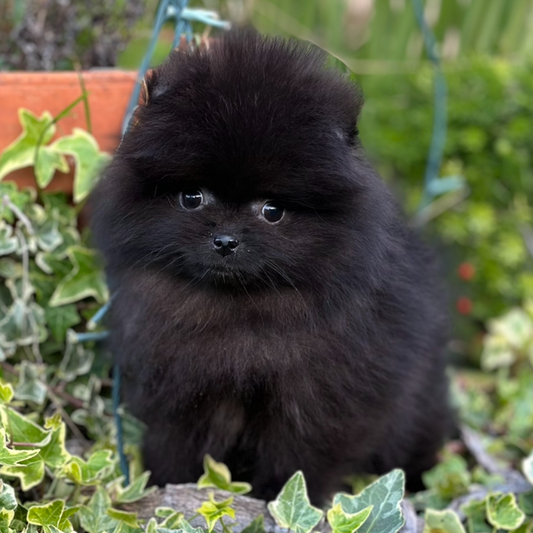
<point>191,199</point>
<point>272,212</point>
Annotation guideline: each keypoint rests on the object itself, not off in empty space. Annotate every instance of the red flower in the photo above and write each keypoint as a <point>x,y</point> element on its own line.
<point>464,305</point>
<point>466,271</point>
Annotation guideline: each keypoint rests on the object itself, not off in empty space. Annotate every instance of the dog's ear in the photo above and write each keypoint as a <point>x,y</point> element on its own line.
<point>152,86</point>
<point>144,97</point>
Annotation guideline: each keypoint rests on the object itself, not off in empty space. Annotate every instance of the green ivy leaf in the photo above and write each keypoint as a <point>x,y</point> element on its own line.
<point>21,152</point>
<point>12,457</point>
<point>48,514</point>
<point>450,478</point>
<point>94,517</point>
<point>172,521</point>
<point>6,517</point>
<point>55,454</point>
<point>48,235</point>
<point>124,516</point>
<point>76,361</point>
<point>8,499</point>
<point>527,467</point>
<point>292,509</point>
<point>257,525</point>
<point>30,386</point>
<point>213,511</point>
<point>22,429</point>
<point>64,523</point>
<point>60,319</point>
<point>89,472</point>
<point>6,392</point>
<point>503,511</point>
<point>9,268</point>
<point>342,522</point>
<point>385,496</point>
<point>442,522</point>
<point>8,242</point>
<point>151,526</point>
<point>46,161</point>
<point>30,472</point>
<point>217,475</point>
<point>187,528</point>
<point>476,513</point>
<point>84,280</point>
<point>89,160</point>
<point>525,502</point>
<point>135,491</point>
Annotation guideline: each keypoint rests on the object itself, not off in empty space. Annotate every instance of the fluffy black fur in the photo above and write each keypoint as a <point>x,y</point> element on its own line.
<point>317,345</point>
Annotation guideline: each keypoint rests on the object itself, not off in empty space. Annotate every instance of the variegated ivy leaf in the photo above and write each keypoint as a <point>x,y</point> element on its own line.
<point>476,515</point>
<point>31,386</point>
<point>53,515</point>
<point>6,392</point>
<point>90,161</point>
<point>442,522</point>
<point>9,268</point>
<point>61,319</point>
<point>217,475</point>
<point>292,509</point>
<point>256,526</point>
<point>127,517</point>
<point>385,496</point>
<point>22,429</point>
<point>20,199</point>
<point>54,454</point>
<point>172,519</point>
<point>48,235</point>
<point>30,149</point>
<point>8,242</point>
<point>77,360</point>
<point>450,478</point>
<point>342,522</point>
<point>8,500</point>
<point>213,511</point>
<point>11,457</point>
<point>503,511</point>
<point>23,324</point>
<point>29,472</point>
<point>84,280</point>
<point>516,327</point>
<point>94,517</point>
<point>91,471</point>
<point>497,353</point>
<point>20,289</point>
<point>135,491</point>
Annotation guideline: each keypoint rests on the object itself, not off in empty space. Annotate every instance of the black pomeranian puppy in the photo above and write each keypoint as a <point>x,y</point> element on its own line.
<point>272,307</point>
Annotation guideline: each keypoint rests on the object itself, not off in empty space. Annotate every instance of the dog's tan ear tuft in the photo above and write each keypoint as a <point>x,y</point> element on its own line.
<point>146,87</point>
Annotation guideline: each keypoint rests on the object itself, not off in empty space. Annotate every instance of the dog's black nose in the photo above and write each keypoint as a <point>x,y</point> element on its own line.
<point>225,245</point>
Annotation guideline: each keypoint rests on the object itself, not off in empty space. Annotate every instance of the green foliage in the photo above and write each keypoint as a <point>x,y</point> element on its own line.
<point>510,339</point>
<point>442,522</point>
<point>383,497</point>
<point>213,511</point>
<point>292,509</point>
<point>503,512</point>
<point>342,522</point>
<point>31,149</point>
<point>488,144</point>
<point>217,475</point>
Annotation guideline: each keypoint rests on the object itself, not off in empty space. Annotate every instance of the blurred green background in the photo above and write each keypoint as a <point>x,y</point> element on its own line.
<point>483,231</point>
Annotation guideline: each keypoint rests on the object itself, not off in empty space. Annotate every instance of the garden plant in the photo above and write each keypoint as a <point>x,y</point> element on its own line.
<point>59,460</point>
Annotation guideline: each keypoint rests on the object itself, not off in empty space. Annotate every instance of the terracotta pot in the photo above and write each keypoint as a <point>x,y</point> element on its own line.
<point>108,93</point>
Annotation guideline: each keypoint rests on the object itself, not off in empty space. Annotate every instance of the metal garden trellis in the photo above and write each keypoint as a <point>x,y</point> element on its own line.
<point>183,17</point>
